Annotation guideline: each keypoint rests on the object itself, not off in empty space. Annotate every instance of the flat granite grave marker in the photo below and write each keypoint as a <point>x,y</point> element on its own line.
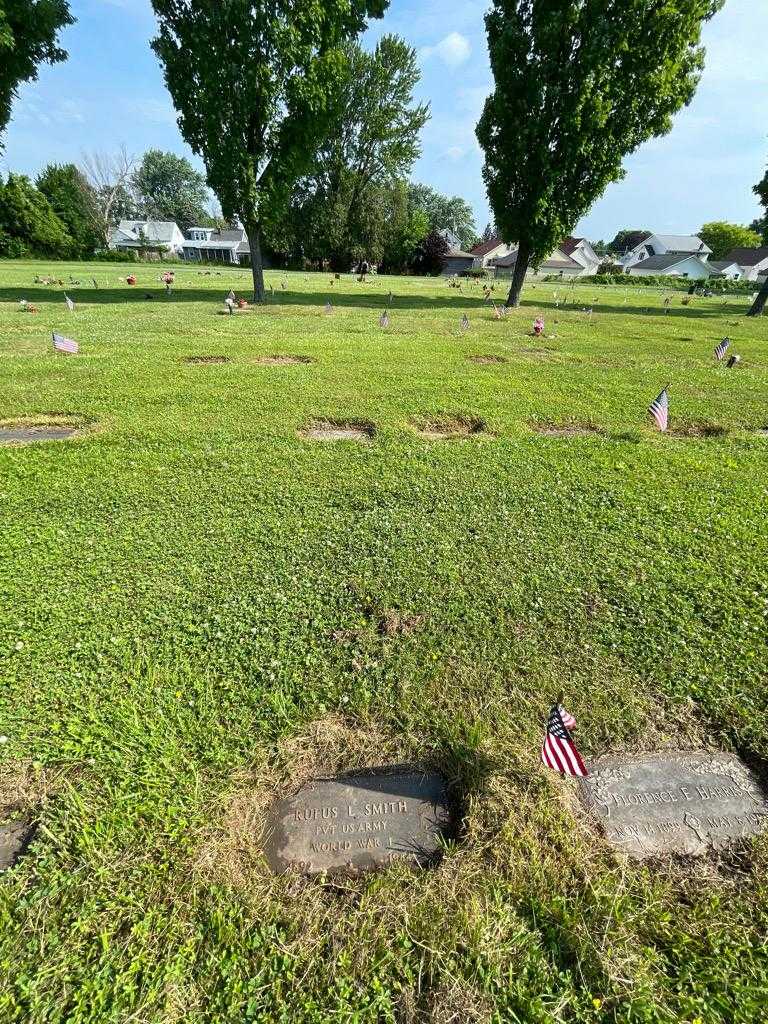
<point>14,838</point>
<point>651,805</point>
<point>360,823</point>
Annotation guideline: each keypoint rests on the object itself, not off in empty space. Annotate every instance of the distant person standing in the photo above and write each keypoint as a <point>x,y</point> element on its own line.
<point>364,268</point>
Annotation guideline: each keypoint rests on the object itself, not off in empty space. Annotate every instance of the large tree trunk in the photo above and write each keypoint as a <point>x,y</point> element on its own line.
<point>253,231</point>
<point>518,274</point>
<point>759,304</point>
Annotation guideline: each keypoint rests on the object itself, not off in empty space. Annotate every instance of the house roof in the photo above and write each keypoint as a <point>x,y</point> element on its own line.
<point>232,238</point>
<point>458,254</point>
<point>748,257</point>
<point>485,247</point>
<point>155,230</point>
<point>722,265</point>
<point>568,245</point>
<point>557,261</point>
<point>682,243</point>
<point>664,262</point>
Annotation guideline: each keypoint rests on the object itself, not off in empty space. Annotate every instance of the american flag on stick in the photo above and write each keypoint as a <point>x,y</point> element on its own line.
<point>659,409</point>
<point>722,348</point>
<point>69,302</point>
<point>328,307</point>
<point>384,319</point>
<point>465,322</point>
<point>496,312</point>
<point>62,344</point>
<point>558,751</point>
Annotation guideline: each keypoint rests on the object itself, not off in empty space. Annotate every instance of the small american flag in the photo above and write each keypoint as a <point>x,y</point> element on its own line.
<point>62,344</point>
<point>465,322</point>
<point>502,311</point>
<point>659,409</point>
<point>69,302</point>
<point>283,285</point>
<point>558,750</point>
<point>722,348</point>
<point>496,312</point>
<point>384,319</point>
<point>230,304</point>
<point>95,282</point>
<point>328,307</point>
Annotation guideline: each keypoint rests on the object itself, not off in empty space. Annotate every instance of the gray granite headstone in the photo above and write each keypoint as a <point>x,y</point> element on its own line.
<point>34,435</point>
<point>651,805</point>
<point>360,823</point>
<point>14,838</point>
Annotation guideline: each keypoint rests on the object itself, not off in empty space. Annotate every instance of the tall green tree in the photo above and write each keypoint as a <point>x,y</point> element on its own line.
<point>371,146</point>
<point>73,202</point>
<point>167,187</point>
<point>721,237</point>
<point>28,224</point>
<point>256,85</point>
<point>442,212</point>
<point>579,84</point>
<point>28,38</point>
<point>761,191</point>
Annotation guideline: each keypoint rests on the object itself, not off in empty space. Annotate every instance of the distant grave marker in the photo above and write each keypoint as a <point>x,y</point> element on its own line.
<point>570,428</point>
<point>284,360</point>
<point>441,428</point>
<point>338,430</point>
<point>487,359</point>
<point>15,836</point>
<point>35,430</point>
<point>360,823</point>
<point>203,360</point>
<point>652,805</point>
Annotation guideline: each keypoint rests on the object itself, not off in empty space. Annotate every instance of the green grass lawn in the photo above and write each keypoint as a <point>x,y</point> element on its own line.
<point>200,609</point>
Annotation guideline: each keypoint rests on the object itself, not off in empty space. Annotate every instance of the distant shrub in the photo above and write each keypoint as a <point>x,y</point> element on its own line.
<point>114,256</point>
<point>475,272</point>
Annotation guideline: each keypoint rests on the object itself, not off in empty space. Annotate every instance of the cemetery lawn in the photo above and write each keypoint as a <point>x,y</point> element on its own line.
<point>201,608</point>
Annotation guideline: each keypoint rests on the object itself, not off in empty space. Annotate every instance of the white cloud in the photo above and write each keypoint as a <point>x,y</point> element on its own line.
<point>453,50</point>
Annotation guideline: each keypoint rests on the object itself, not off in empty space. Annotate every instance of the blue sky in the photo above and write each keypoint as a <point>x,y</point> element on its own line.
<point>111,92</point>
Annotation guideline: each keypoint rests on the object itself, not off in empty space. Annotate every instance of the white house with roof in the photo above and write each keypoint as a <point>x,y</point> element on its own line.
<point>725,268</point>
<point>207,245</point>
<point>137,235</point>
<point>664,245</point>
<point>672,264</point>
<point>490,250</point>
<point>753,262</point>
<point>556,264</point>
<point>580,251</point>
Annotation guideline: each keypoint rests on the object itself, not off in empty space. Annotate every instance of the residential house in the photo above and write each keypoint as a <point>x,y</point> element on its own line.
<point>556,264</point>
<point>672,264</point>
<point>580,250</point>
<point>490,250</point>
<point>725,268</point>
<point>456,261</point>
<point>148,235</point>
<point>207,245</point>
<point>753,262</point>
<point>664,245</point>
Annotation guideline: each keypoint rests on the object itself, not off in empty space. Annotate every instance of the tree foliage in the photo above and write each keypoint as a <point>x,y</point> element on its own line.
<point>579,84</point>
<point>256,85</point>
<point>72,200</point>
<point>343,204</point>
<point>721,237</point>
<point>431,253</point>
<point>761,225</point>
<point>443,211</point>
<point>167,187</point>
<point>28,224</point>
<point>28,38</point>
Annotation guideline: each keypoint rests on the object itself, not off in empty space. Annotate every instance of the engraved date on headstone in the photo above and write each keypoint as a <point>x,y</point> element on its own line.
<point>360,823</point>
<point>674,803</point>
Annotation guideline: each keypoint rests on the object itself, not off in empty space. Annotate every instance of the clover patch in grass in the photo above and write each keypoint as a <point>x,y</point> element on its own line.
<point>565,428</point>
<point>45,427</point>
<point>448,426</point>
<point>284,360</point>
<point>487,360</point>
<point>338,430</point>
<point>205,360</point>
